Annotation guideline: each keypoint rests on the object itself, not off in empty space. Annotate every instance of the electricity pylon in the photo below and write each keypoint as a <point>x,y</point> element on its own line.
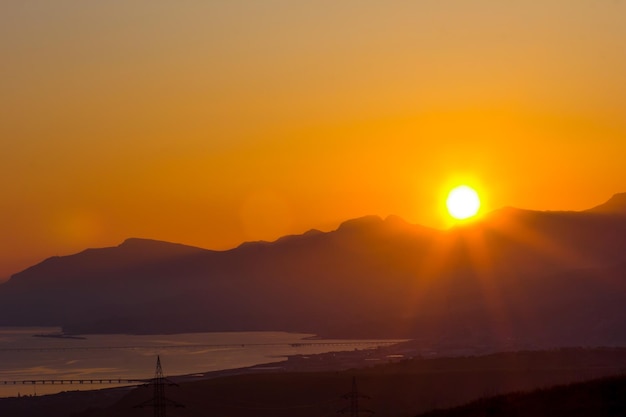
<point>354,396</point>
<point>158,401</point>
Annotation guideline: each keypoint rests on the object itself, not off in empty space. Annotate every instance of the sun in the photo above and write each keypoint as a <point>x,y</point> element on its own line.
<point>463,202</point>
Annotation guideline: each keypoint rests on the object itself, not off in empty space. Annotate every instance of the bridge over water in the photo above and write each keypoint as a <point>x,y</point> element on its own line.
<point>75,381</point>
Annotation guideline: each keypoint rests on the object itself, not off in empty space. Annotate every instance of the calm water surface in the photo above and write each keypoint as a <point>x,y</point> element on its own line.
<point>24,357</point>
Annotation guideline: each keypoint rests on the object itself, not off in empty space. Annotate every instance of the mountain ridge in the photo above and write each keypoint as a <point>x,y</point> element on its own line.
<point>370,277</point>
<point>615,205</point>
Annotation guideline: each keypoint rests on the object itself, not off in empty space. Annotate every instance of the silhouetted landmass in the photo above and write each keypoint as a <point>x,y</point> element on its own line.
<point>616,206</point>
<point>400,389</point>
<point>515,278</point>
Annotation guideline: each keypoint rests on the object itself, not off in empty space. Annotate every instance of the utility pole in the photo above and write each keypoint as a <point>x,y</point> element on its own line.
<point>354,396</point>
<point>158,401</point>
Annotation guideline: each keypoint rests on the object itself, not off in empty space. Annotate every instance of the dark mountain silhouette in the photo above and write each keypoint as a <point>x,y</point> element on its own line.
<point>548,278</point>
<point>616,205</point>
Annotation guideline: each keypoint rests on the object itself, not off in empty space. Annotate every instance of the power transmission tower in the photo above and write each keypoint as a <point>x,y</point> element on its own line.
<point>158,401</point>
<point>354,396</point>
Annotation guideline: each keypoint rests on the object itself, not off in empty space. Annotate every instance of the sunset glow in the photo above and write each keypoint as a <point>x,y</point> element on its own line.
<point>219,122</point>
<point>463,202</point>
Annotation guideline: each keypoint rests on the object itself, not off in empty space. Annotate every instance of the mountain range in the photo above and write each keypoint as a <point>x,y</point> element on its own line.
<point>545,278</point>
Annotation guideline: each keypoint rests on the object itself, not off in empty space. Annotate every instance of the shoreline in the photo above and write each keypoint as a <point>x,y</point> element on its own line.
<point>333,361</point>
<point>328,361</point>
<point>292,354</point>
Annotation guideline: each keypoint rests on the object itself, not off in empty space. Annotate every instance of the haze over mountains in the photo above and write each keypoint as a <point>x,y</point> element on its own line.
<point>514,277</point>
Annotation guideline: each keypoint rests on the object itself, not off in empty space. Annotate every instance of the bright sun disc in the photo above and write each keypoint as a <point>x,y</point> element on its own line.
<point>463,202</point>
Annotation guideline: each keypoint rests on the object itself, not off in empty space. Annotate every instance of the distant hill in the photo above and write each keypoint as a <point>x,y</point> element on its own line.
<point>516,276</point>
<point>616,205</point>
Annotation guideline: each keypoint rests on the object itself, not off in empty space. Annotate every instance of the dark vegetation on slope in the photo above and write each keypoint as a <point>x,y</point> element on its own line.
<point>599,398</point>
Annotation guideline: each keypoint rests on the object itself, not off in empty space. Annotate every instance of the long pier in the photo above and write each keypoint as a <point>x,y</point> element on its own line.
<point>76,381</point>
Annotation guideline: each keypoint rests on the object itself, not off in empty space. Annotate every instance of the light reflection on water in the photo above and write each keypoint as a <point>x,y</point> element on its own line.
<point>24,357</point>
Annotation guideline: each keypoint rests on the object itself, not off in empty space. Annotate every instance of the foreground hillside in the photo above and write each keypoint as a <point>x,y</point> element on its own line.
<point>599,398</point>
<point>514,278</point>
<point>401,389</point>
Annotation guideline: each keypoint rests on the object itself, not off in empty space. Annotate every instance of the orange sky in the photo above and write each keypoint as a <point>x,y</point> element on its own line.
<point>216,122</point>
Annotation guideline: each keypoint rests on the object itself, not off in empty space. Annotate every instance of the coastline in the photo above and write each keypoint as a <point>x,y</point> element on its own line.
<point>185,357</point>
<point>328,361</point>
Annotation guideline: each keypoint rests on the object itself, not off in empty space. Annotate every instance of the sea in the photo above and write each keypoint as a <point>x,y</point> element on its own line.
<point>27,356</point>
